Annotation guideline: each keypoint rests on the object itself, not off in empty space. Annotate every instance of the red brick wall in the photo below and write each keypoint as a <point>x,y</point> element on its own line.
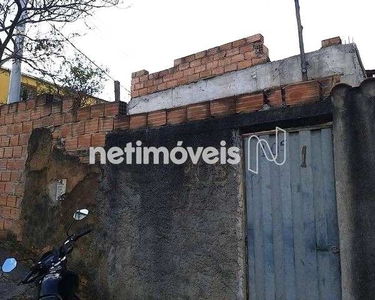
<point>230,57</point>
<point>78,129</point>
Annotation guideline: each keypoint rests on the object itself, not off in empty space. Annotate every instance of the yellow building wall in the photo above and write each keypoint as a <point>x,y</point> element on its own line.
<point>4,84</point>
<point>40,85</point>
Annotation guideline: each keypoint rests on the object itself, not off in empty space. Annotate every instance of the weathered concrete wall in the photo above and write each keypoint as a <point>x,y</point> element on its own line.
<point>44,220</point>
<point>354,144</point>
<point>173,231</point>
<point>335,60</point>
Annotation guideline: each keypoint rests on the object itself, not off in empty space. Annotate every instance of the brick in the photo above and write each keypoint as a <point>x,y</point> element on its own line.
<point>35,114</point>
<point>21,106</point>
<point>84,141</point>
<point>70,117</point>
<point>232,52</point>
<point>16,164</point>
<point>37,123</point>
<point>5,176</point>
<point>71,143</point>
<point>223,107</point>
<point>58,119</point>
<point>12,108</point>
<point>22,116</point>
<point>106,124</point>
<point>3,164</point>
<point>302,92</point>
<point>78,128</point>
<point>205,74</point>
<point>66,130</point>
<point>121,123</point>
<point>195,63</point>
<point>200,54</point>
<point>162,86</point>
<point>56,108</point>
<point>23,127</point>
<point>9,188</point>
<point>30,104</point>
<point>3,130</point>
<point>250,55</point>
<point>17,151</point>
<point>244,64</point>
<point>15,176</point>
<point>83,114</point>
<point>227,46</point>
<point>194,78</point>
<point>259,60</point>
<point>257,38</point>
<point>249,103</point>
<point>167,77</point>
<point>8,152</point>
<point>9,118</point>
<point>274,97</point>
<point>111,109</point>
<point>198,111</point>
<point>92,126</point>
<point>212,65</point>
<point>2,187</point>
<point>331,42</point>
<point>237,58</point>
<point>184,66</point>
<point>152,89</point>
<point>139,73</point>
<point>138,121</point>
<point>4,110</point>
<point>5,141</point>
<point>67,105</point>
<point>97,111</point>
<point>98,139</point>
<point>12,201</point>
<point>219,55</point>
<point>171,84</point>
<point>45,110</point>
<point>24,139</point>
<point>177,115</point>
<point>26,127</point>
<point>199,69</point>
<point>2,152</point>
<point>230,68</point>
<point>47,121</point>
<point>157,118</point>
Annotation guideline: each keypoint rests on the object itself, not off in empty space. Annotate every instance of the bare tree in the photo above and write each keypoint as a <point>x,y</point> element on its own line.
<point>17,13</point>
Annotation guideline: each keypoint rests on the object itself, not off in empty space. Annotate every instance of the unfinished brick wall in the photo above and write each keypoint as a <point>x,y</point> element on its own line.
<point>237,55</point>
<point>78,129</point>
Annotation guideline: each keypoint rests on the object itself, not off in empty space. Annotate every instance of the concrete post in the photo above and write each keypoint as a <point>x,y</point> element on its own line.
<point>354,144</point>
<point>14,94</point>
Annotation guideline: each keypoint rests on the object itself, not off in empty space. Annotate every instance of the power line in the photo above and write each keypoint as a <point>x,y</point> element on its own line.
<point>88,58</point>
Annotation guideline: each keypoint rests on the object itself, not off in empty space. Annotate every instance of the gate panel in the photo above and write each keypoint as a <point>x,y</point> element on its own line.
<point>292,220</point>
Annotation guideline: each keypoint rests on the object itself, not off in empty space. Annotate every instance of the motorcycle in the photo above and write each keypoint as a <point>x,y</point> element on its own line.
<point>54,280</point>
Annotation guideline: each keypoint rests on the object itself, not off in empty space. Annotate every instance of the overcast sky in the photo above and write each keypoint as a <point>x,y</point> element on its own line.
<point>152,33</point>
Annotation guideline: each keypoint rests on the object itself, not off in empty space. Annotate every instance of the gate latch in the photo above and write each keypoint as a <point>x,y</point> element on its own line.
<point>334,249</point>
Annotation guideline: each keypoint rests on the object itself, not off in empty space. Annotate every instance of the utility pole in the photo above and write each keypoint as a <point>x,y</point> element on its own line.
<point>14,94</point>
<point>304,63</point>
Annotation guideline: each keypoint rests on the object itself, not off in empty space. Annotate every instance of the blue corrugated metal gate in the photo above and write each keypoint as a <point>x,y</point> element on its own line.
<point>292,219</point>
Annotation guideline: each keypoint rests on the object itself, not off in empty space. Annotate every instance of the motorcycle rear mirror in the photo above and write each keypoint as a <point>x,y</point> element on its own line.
<point>9,265</point>
<point>80,214</point>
